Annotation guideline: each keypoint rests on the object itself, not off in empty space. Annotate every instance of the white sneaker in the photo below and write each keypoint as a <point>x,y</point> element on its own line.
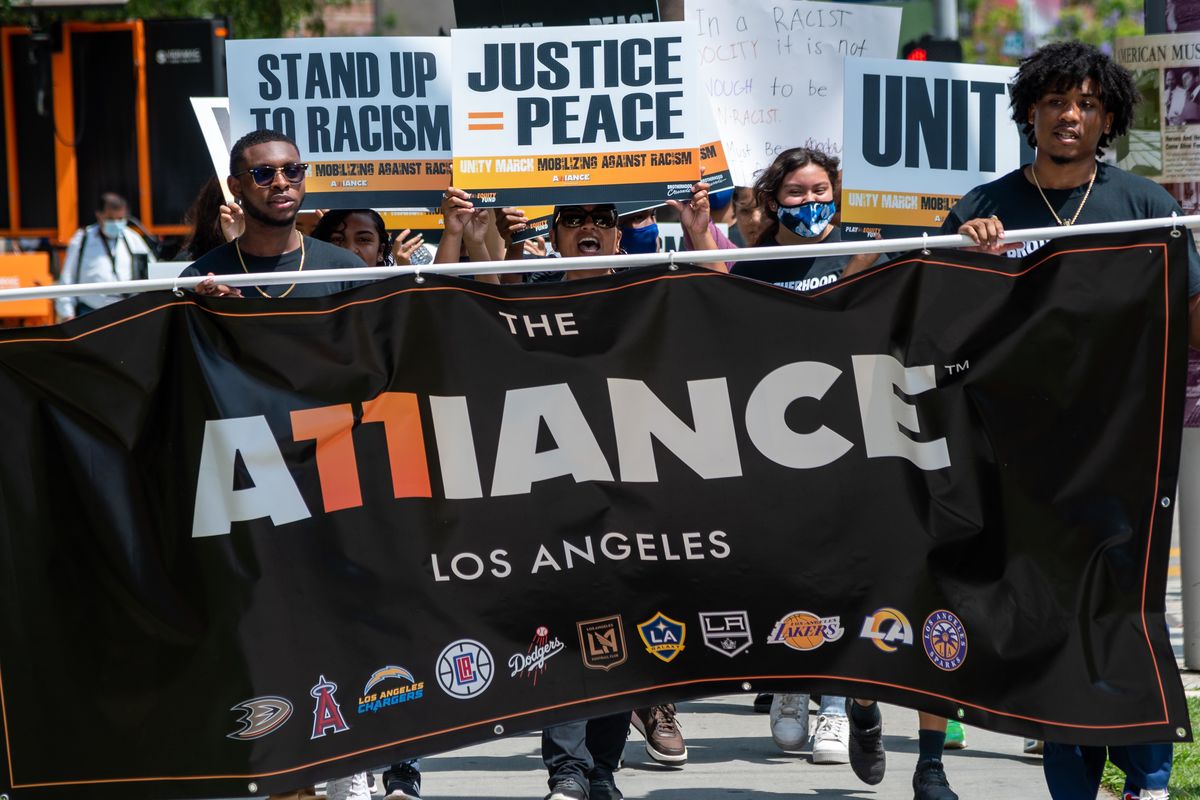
<point>831,741</point>
<point>1148,794</point>
<point>789,721</point>
<point>1032,747</point>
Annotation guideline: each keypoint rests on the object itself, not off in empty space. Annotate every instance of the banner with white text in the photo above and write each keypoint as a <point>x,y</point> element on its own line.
<point>370,115</point>
<point>249,544</point>
<point>919,135</point>
<point>583,114</point>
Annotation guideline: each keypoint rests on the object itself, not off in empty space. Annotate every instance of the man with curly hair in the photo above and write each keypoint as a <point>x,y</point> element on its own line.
<point>1071,101</point>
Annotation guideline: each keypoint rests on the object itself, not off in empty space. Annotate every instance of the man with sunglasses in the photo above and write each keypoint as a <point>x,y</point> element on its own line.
<point>267,181</point>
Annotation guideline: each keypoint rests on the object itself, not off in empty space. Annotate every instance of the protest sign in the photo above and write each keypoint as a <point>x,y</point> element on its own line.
<point>371,116</point>
<point>435,470</point>
<point>670,235</point>
<point>212,115</point>
<point>919,135</point>
<point>773,71</point>
<point>538,13</point>
<point>575,115</point>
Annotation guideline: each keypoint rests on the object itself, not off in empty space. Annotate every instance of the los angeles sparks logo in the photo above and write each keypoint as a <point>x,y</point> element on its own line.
<point>327,715</point>
<point>260,717</point>
<point>804,630</point>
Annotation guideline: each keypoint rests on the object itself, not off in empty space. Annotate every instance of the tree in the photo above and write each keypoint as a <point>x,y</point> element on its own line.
<point>249,19</point>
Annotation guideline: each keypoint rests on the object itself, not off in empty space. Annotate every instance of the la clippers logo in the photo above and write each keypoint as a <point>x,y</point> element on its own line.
<point>260,717</point>
<point>327,715</point>
<point>945,640</point>
<point>464,669</point>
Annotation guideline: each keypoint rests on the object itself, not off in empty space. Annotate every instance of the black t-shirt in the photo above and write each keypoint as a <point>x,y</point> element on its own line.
<point>223,260</point>
<point>799,274</point>
<point>1117,195</point>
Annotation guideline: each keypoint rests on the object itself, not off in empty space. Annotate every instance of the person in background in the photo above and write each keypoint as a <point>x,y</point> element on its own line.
<point>105,251</point>
<point>213,223</point>
<point>364,233</point>
<point>750,223</point>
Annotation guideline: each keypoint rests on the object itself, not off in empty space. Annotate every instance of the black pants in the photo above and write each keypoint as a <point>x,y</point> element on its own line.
<point>586,750</point>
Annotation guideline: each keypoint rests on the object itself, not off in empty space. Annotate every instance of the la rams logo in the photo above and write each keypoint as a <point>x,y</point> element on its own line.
<point>804,630</point>
<point>663,636</point>
<point>885,626</point>
<point>945,640</point>
<point>260,717</point>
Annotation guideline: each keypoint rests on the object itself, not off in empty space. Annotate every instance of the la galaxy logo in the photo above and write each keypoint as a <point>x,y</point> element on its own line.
<point>727,632</point>
<point>945,640</point>
<point>663,636</point>
<point>464,669</point>
<point>602,642</point>
<point>885,626</point>
<point>261,716</point>
<point>327,714</point>
<point>804,630</point>
<point>409,689</point>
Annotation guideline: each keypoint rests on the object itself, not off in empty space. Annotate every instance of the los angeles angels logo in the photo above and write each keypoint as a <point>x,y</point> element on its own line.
<point>327,715</point>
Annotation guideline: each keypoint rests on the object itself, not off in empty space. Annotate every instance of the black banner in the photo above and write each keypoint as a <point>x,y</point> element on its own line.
<point>247,544</point>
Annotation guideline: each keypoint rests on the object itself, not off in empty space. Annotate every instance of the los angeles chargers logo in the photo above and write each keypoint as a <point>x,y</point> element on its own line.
<point>663,636</point>
<point>945,640</point>
<point>260,717</point>
<point>327,715</point>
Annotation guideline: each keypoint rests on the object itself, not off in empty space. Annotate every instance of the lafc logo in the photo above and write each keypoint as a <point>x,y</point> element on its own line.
<point>602,642</point>
<point>663,636</point>
<point>885,626</point>
<point>261,716</point>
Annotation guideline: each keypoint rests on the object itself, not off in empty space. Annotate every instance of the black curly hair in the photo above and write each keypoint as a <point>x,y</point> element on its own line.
<point>237,153</point>
<point>1062,66</point>
<point>335,219</point>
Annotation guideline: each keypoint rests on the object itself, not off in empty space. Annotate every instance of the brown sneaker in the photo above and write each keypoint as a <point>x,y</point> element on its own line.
<point>660,729</point>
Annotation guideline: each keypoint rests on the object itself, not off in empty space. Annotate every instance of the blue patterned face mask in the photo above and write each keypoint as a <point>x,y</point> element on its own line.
<point>807,219</point>
<point>640,240</point>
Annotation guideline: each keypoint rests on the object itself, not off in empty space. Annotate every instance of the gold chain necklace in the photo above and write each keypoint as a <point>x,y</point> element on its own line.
<point>238,247</point>
<point>1078,211</point>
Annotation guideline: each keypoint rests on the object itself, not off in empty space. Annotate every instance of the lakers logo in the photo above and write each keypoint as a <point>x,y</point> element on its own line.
<point>804,630</point>
<point>886,628</point>
<point>945,640</point>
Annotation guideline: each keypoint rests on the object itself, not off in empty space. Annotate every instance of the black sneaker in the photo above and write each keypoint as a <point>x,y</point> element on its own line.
<point>929,782</point>
<point>567,789</point>
<point>605,790</point>
<point>762,703</point>
<point>867,756</point>
<point>402,782</point>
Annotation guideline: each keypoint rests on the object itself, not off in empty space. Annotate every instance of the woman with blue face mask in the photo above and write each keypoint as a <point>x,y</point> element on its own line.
<point>797,194</point>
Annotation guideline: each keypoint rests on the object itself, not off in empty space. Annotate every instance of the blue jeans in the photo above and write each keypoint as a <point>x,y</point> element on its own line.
<point>1073,771</point>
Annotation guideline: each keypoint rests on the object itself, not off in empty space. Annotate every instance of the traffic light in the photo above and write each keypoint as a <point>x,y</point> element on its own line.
<point>928,48</point>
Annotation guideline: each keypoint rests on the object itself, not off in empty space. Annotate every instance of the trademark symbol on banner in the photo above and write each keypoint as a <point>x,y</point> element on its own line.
<point>954,369</point>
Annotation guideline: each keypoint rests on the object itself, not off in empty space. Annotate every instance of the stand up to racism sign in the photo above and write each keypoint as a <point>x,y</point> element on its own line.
<point>285,540</point>
<point>370,115</point>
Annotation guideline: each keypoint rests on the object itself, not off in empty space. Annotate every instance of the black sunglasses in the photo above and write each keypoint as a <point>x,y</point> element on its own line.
<point>600,217</point>
<point>265,176</point>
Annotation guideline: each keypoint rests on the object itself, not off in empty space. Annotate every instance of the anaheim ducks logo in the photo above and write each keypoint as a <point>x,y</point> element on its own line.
<point>804,630</point>
<point>261,716</point>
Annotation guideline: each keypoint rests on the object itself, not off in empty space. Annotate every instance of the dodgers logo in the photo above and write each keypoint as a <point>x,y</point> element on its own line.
<point>727,632</point>
<point>532,663</point>
<point>885,626</point>
<point>327,714</point>
<point>260,717</point>
<point>804,630</point>
<point>945,640</point>
<point>408,690</point>
<point>464,669</point>
<point>663,636</point>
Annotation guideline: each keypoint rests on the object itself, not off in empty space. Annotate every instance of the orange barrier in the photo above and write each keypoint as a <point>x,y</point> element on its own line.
<point>19,270</point>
